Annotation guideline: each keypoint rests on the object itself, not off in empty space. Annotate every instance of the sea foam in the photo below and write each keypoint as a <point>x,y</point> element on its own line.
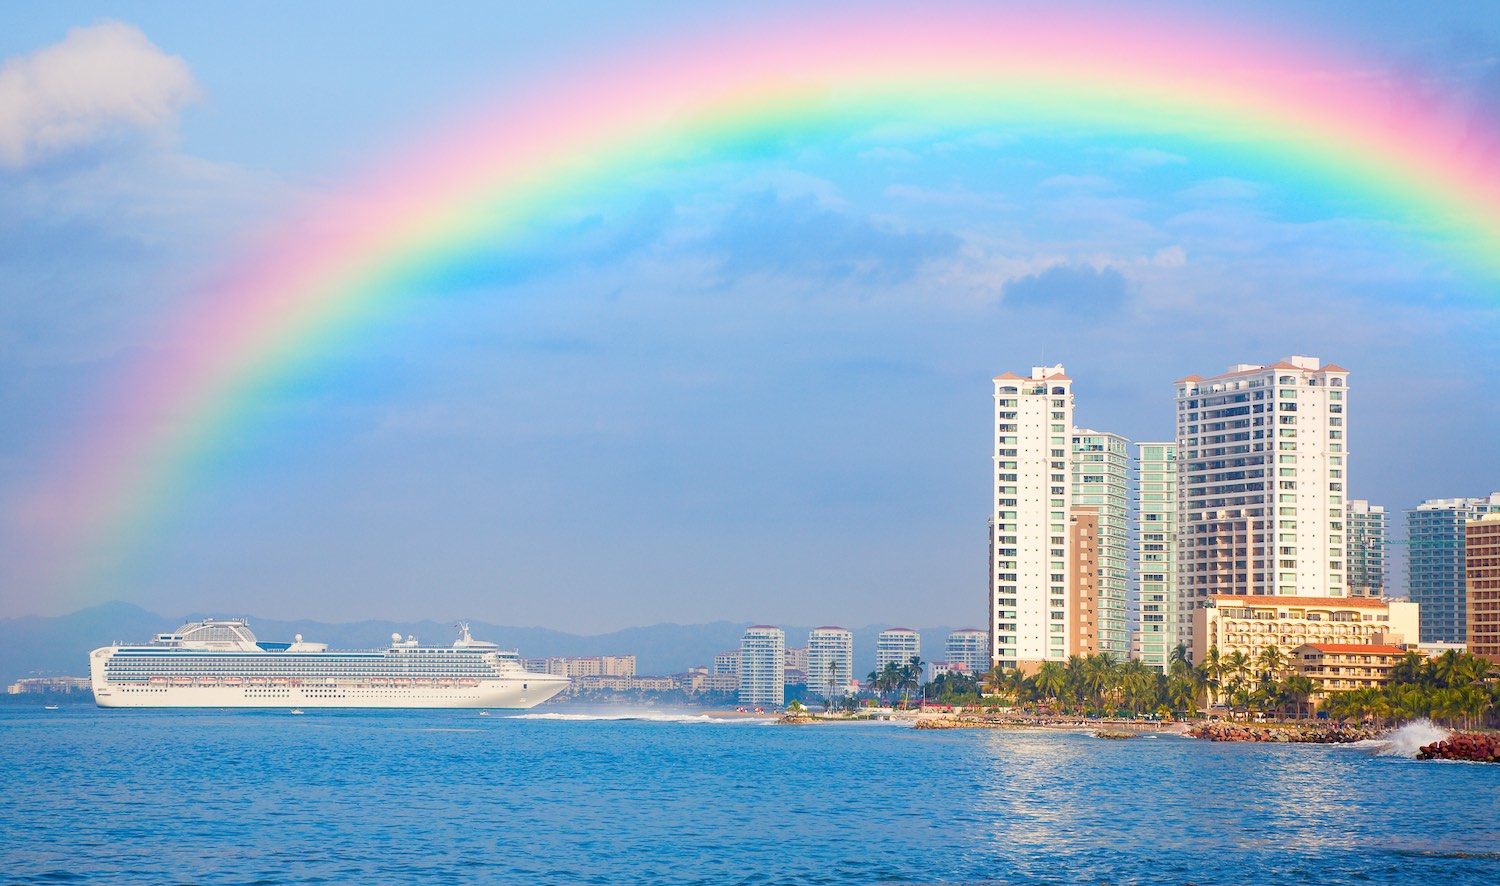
<point>1406,741</point>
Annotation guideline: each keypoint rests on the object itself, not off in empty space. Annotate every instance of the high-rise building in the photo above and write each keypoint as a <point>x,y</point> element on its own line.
<point>897,646</point>
<point>1031,503</point>
<point>830,661</point>
<point>762,666</point>
<point>1101,480</point>
<point>1156,555</point>
<point>1435,566</point>
<point>1365,528</point>
<point>1083,581</point>
<point>969,647</point>
<point>1482,558</point>
<point>1262,462</point>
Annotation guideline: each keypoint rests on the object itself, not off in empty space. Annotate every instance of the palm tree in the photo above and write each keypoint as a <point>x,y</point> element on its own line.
<point>911,677</point>
<point>1050,680</point>
<point>1272,661</point>
<point>831,683</point>
<point>1298,688</point>
<point>1411,668</point>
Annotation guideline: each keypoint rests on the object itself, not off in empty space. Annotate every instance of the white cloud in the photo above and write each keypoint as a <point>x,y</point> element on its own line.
<point>97,80</point>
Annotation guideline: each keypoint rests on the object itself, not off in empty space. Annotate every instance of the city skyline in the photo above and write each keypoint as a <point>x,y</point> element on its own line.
<point>740,377</point>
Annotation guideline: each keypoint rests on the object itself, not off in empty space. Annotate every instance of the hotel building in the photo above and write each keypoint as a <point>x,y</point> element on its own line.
<point>762,666</point>
<point>1365,529</point>
<point>1249,624</point>
<point>1032,501</point>
<point>1435,532</point>
<point>1261,473</point>
<point>830,661</point>
<point>1482,558</point>
<point>969,648</point>
<point>1101,481</point>
<point>1156,556</point>
<point>897,646</point>
<point>1340,667</point>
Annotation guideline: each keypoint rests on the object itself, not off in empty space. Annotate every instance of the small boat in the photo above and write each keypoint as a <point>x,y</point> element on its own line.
<point>296,710</point>
<point>484,713</point>
<point>50,707</point>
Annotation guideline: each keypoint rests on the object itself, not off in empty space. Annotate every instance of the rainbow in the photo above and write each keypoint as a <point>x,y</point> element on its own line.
<point>1308,107</point>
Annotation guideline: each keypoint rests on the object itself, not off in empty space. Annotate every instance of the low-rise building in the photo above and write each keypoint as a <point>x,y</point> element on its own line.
<point>30,685</point>
<point>1340,667</point>
<point>1249,624</point>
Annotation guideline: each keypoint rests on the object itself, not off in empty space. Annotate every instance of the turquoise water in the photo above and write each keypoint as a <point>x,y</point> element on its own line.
<point>451,797</point>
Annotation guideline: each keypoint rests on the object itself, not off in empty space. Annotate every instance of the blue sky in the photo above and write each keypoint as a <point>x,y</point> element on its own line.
<point>752,388</point>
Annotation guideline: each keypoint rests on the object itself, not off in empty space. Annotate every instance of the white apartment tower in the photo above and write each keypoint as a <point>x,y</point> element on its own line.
<point>896,646</point>
<point>762,666</point>
<point>1365,528</point>
<point>1029,607</point>
<point>830,661</point>
<point>1261,472</point>
<point>969,647</point>
<point>1156,556</point>
<point>1101,480</point>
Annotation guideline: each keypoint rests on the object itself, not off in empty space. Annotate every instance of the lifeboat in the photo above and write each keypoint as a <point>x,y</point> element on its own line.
<point>232,681</point>
<point>377,681</point>
<point>158,681</point>
<point>258,681</point>
<point>421,681</point>
<point>443,684</point>
<point>278,681</point>
<point>208,681</point>
<point>468,684</point>
<point>400,681</point>
<point>182,681</point>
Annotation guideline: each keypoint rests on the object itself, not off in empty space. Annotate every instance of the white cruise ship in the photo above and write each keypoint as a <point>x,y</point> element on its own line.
<point>219,664</point>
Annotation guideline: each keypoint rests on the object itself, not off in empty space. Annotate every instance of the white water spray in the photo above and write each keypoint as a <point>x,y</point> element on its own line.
<point>1406,741</point>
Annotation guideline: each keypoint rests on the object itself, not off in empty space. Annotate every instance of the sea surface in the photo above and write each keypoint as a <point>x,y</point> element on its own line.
<point>267,797</point>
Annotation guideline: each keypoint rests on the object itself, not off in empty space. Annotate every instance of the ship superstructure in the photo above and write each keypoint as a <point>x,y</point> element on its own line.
<point>219,663</point>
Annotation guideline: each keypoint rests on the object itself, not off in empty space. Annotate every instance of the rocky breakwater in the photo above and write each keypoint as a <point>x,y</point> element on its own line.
<point>1475,747</point>
<point>1282,734</point>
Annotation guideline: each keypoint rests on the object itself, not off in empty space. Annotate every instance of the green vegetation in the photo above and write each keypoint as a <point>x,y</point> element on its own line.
<point>1456,689</point>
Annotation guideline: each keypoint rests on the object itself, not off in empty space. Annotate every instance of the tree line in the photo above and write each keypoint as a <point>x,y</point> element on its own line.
<point>1455,688</point>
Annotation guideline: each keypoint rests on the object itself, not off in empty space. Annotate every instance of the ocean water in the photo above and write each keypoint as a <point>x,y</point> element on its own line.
<point>265,797</point>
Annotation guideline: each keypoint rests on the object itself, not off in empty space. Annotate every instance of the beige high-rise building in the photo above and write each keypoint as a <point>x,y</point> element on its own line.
<point>1083,581</point>
<point>1262,462</point>
<point>1482,586</point>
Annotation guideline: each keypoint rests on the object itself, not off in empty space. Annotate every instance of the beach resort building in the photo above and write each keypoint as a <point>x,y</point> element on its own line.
<point>1482,559</point>
<point>968,650</point>
<point>1339,667</point>
<point>1156,555</point>
<point>1262,461</point>
<point>830,661</point>
<point>1435,566</point>
<point>897,646</point>
<point>1032,501</point>
<point>1365,528</point>
<point>1249,624</point>
<point>1101,481</point>
<point>762,666</point>
<point>727,662</point>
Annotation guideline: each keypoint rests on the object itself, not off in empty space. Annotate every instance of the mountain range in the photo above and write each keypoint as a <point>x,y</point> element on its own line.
<point>36,645</point>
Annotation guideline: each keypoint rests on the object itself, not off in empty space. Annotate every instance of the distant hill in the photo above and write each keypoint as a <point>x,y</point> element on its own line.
<point>36,645</point>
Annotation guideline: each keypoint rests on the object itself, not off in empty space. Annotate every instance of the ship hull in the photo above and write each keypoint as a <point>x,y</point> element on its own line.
<point>504,694</point>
